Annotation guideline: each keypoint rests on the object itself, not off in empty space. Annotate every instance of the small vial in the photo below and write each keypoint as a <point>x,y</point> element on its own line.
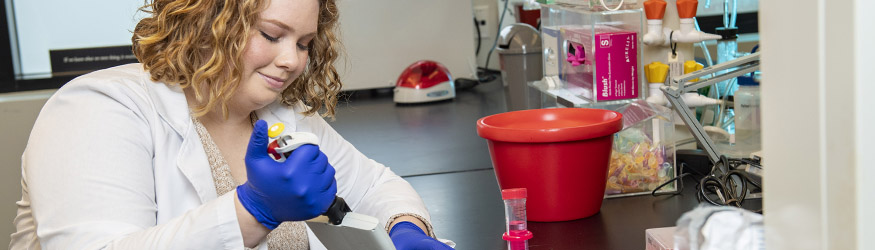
<point>516,233</point>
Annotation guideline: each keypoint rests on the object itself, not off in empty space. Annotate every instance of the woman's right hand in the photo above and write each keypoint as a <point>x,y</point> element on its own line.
<point>300,188</point>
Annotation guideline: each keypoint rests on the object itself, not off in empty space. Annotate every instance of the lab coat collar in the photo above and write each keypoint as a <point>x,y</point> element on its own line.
<point>171,105</point>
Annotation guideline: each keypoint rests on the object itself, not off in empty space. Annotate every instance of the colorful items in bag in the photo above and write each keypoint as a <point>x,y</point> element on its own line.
<point>637,165</point>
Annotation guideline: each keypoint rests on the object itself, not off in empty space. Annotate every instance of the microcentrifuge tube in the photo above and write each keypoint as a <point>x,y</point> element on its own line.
<point>516,233</point>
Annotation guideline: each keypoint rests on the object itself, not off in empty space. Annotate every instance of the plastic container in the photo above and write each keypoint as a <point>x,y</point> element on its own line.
<point>516,230</point>
<point>551,45</point>
<point>528,12</point>
<point>559,155</point>
<point>597,51</point>
<point>747,116</point>
<point>596,5</point>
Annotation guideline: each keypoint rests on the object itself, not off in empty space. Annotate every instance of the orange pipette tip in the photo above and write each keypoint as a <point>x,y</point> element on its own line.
<point>687,8</point>
<point>654,9</point>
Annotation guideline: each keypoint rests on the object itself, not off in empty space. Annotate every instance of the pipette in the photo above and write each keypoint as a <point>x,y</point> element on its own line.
<point>281,146</point>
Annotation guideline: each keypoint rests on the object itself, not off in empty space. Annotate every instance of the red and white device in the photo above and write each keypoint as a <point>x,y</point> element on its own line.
<point>282,144</point>
<point>424,81</point>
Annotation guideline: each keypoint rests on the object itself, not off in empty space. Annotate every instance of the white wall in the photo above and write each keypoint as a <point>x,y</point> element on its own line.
<point>488,35</point>
<point>382,38</point>
<point>18,112</point>
<point>864,38</point>
<point>815,63</point>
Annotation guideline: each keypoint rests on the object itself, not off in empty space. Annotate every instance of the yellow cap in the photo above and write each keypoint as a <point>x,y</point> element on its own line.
<point>692,66</point>
<point>276,130</point>
<point>656,72</point>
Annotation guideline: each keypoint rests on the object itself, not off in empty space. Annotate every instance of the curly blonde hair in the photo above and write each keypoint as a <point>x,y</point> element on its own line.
<point>199,44</point>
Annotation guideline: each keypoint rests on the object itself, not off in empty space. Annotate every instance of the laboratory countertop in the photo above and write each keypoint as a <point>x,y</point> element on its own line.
<point>453,174</point>
<point>471,213</point>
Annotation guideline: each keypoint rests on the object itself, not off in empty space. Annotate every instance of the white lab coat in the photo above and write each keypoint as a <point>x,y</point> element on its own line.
<point>114,162</point>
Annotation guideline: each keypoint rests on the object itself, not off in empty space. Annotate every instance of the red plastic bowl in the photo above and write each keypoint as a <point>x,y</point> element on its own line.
<point>560,156</point>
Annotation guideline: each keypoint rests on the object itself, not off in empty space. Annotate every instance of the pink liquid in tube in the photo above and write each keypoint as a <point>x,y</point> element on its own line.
<point>516,235</point>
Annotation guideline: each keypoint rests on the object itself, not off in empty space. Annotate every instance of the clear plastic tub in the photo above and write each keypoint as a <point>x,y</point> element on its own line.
<point>597,52</point>
<point>596,5</point>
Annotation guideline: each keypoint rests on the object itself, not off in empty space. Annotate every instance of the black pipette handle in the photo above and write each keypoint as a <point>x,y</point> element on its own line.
<point>337,211</point>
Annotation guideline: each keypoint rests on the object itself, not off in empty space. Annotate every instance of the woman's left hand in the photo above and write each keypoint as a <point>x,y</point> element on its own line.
<point>407,236</point>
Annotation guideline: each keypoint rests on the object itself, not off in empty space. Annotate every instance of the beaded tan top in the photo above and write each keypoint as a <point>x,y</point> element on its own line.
<point>289,235</point>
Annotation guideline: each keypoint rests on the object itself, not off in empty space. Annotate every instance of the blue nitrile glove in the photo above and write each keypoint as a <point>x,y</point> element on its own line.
<point>298,189</point>
<point>407,236</point>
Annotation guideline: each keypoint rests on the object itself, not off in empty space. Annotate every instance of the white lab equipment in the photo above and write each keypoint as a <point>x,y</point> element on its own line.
<point>424,81</point>
<point>655,11</point>
<point>656,73</point>
<point>680,85</point>
<point>687,33</point>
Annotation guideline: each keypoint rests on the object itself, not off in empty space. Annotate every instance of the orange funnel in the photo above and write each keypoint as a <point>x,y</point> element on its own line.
<point>687,8</point>
<point>654,9</point>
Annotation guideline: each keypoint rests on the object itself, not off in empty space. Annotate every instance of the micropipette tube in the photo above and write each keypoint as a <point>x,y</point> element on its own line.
<point>516,231</point>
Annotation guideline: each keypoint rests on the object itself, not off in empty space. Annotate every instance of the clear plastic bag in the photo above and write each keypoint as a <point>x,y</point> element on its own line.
<point>643,154</point>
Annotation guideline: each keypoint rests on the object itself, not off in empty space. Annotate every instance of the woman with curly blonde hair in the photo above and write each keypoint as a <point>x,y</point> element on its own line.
<point>172,152</point>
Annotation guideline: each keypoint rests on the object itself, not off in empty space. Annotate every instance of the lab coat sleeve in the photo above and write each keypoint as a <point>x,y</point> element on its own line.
<point>89,170</point>
<point>367,186</point>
